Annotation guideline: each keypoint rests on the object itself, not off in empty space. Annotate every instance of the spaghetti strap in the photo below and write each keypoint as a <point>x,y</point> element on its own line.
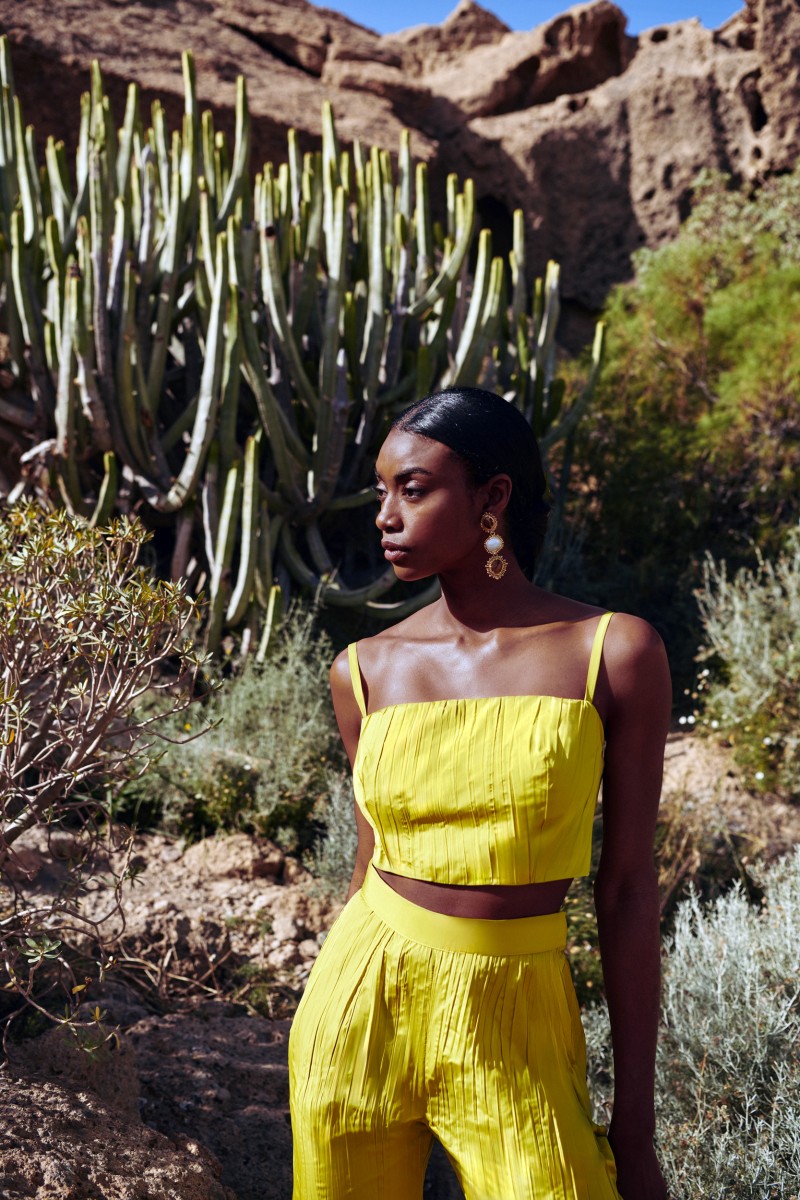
<point>596,656</point>
<point>355,677</point>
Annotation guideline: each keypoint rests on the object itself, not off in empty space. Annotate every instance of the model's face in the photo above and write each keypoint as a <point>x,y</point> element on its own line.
<point>429,514</point>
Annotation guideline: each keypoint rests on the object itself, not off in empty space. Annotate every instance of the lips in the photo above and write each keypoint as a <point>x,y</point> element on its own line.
<point>392,551</point>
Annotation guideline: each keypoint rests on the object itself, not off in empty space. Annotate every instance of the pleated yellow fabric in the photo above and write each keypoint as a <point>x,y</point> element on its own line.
<point>415,1024</point>
<point>493,790</point>
<point>410,1029</point>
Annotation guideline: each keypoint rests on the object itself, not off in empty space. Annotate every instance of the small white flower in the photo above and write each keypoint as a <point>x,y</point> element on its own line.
<point>759,775</point>
<point>691,720</point>
<point>704,674</point>
<point>681,720</point>
<point>767,741</point>
<point>715,724</point>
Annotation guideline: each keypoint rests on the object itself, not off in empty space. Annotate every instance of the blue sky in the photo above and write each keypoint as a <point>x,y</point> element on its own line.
<point>392,15</point>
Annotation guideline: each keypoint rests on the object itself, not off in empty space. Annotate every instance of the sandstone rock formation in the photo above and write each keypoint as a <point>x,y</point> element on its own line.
<point>776,29</point>
<point>596,135</point>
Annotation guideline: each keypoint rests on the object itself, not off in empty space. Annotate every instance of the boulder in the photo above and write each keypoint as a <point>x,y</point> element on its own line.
<point>286,928</point>
<point>221,1078</point>
<point>109,1073</point>
<point>428,47</point>
<point>53,48</point>
<point>236,856</point>
<point>573,53</point>
<point>603,172</point>
<point>294,32</point>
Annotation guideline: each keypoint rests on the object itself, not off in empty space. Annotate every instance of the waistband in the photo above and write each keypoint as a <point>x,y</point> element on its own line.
<point>464,935</point>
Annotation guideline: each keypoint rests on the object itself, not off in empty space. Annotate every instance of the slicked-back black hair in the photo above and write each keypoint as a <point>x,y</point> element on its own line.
<point>492,437</point>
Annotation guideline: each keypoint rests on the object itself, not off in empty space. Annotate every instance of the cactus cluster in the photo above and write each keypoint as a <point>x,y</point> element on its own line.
<point>224,352</point>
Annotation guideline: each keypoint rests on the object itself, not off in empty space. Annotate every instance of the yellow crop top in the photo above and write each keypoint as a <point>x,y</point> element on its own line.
<point>489,790</point>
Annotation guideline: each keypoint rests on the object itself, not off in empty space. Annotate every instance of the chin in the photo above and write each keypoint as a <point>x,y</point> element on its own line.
<point>410,574</point>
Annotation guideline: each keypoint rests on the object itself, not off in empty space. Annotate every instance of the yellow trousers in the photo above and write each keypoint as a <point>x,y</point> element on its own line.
<point>416,1025</point>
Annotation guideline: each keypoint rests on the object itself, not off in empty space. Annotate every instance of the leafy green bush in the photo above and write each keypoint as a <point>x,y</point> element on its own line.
<point>751,695</point>
<point>695,443</point>
<point>267,757</point>
<point>728,1066</point>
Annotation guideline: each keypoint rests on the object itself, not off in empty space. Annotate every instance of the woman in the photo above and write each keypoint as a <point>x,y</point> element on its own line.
<point>478,729</point>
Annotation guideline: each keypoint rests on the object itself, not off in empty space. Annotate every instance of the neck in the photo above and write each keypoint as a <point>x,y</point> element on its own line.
<point>473,601</point>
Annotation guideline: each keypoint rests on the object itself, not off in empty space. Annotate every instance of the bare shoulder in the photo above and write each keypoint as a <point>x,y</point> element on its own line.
<point>635,659</point>
<point>375,654</point>
<point>340,673</point>
<point>346,703</point>
<point>631,639</point>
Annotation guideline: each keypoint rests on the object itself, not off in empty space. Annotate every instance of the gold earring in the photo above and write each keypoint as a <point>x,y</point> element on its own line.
<point>496,565</point>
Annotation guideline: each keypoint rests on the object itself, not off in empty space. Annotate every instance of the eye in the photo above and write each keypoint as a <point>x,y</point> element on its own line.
<point>411,491</point>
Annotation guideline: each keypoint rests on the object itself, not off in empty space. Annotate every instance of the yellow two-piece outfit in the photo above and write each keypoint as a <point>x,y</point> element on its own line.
<point>415,1024</point>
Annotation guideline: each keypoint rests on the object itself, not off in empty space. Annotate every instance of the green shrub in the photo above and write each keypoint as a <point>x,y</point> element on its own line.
<point>751,694</point>
<point>727,1094</point>
<point>269,753</point>
<point>695,441</point>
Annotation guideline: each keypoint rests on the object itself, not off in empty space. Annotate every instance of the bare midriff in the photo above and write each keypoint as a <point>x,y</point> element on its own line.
<point>487,902</point>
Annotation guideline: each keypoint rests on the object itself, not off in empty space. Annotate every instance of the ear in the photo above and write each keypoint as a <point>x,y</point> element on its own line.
<point>495,494</point>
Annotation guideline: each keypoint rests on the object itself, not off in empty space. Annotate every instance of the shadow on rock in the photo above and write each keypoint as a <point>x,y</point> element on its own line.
<point>221,1076</point>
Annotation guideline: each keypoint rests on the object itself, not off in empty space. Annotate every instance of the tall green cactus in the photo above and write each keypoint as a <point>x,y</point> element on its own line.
<point>229,351</point>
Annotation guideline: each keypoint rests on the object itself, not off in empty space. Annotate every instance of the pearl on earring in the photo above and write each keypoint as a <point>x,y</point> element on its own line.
<point>496,565</point>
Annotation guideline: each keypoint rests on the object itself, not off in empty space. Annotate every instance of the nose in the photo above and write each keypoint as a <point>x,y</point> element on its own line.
<point>388,517</point>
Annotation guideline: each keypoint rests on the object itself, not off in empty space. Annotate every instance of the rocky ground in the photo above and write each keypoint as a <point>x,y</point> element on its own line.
<point>192,1102</point>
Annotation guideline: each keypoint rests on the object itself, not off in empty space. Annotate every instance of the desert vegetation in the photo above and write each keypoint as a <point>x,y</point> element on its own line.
<point>726,1090</point>
<point>225,353</point>
<point>693,446</point>
<point>221,356</point>
<point>750,696</point>
<point>85,634</point>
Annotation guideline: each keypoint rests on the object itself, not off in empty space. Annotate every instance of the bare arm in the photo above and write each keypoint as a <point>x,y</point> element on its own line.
<point>626,892</point>
<point>348,717</point>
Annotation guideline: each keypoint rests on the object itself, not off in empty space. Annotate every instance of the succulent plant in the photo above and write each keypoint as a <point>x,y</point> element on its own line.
<point>224,353</point>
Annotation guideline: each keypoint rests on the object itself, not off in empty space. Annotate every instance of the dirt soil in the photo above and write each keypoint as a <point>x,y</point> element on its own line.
<point>192,1103</point>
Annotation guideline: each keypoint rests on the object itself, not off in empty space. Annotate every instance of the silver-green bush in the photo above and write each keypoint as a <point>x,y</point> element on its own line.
<point>770,210</point>
<point>728,1067</point>
<point>269,755</point>
<point>333,858</point>
<point>751,624</point>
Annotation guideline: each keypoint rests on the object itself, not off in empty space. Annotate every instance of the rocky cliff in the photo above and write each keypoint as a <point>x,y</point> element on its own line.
<point>595,134</point>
